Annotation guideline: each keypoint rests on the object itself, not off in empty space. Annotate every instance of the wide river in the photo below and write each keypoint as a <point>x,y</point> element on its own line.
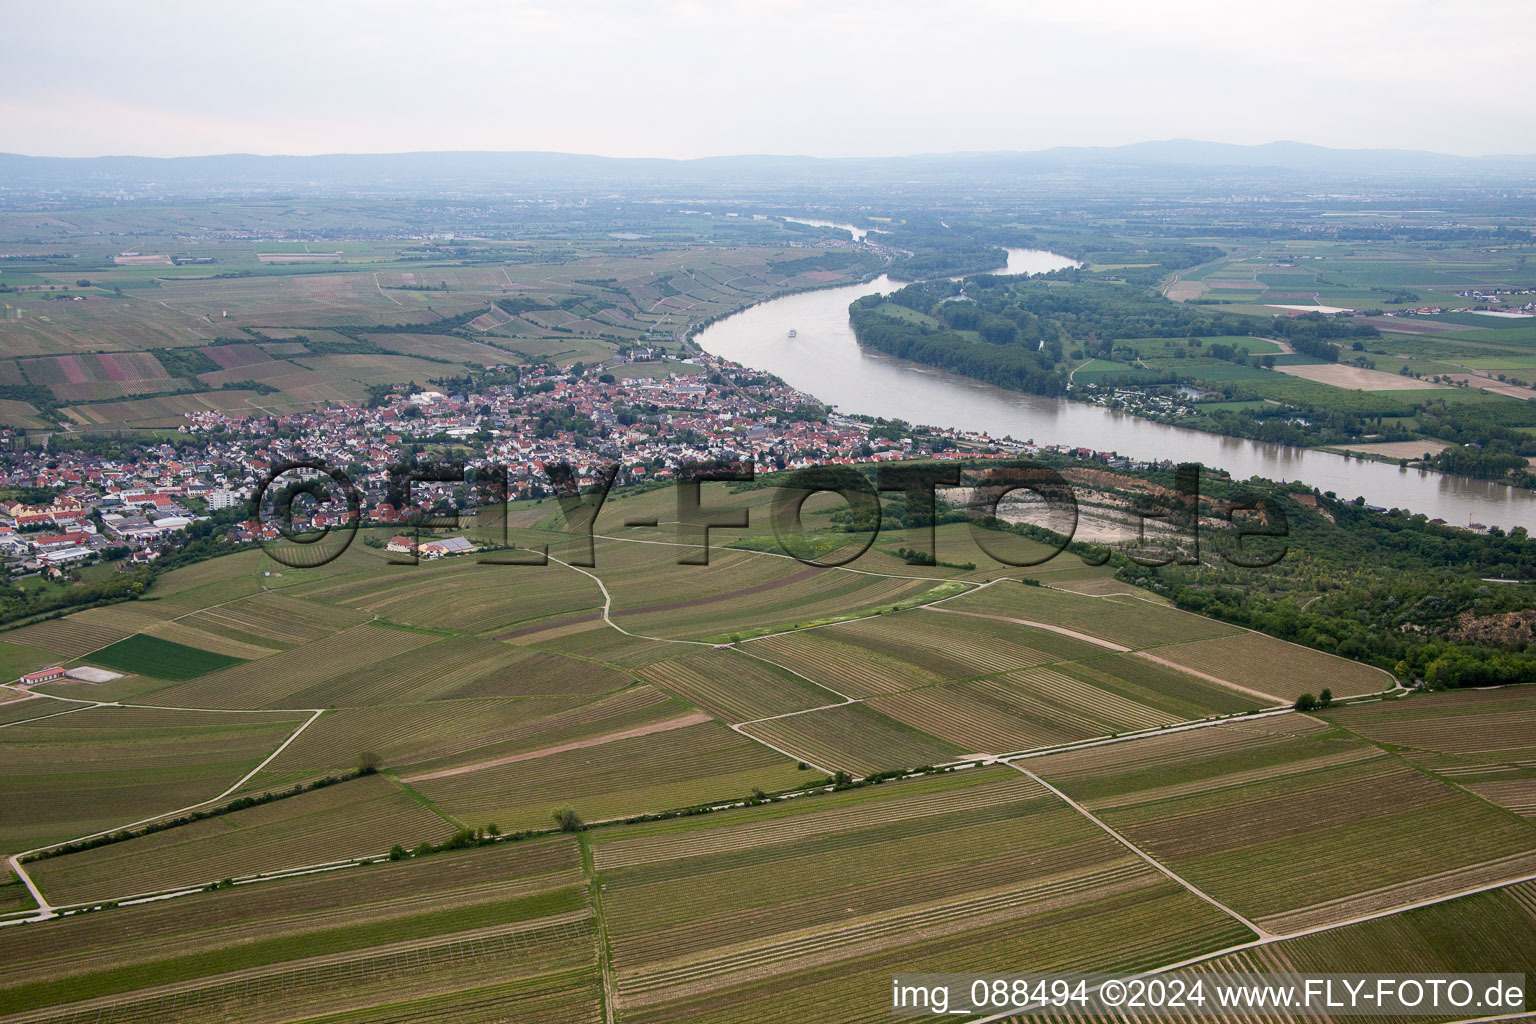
<point>824,360</point>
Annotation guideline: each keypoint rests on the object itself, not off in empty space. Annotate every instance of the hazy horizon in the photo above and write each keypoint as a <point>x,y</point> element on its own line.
<point>759,155</point>
<point>683,80</point>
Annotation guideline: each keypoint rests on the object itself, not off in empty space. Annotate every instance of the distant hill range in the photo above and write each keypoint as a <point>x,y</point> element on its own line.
<point>397,171</point>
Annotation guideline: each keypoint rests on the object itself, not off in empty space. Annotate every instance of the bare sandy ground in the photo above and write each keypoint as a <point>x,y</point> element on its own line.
<point>1355,378</point>
<point>1395,449</point>
<point>1307,308</point>
<point>1095,523</point>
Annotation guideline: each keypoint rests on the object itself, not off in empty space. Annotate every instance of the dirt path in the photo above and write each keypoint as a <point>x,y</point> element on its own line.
<point>382,292</point>
<point>1267,697</point>
<point>1064,631</point>
<point>600,928</point>
<point>1271,939</point>
<point>1138,851</point>
<point>697,718</point>
<point>46,910</point>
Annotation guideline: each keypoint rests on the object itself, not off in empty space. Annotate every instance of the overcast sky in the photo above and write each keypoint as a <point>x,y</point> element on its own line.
<point>711,77</point>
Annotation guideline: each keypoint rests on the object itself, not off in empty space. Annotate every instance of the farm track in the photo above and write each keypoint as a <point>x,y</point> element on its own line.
<point>1204,675</point>
<point>47,911</point>
<point>698,718</point>
<point>1362,918</point>
<point>1138,851</point>
<point>1062,630</point>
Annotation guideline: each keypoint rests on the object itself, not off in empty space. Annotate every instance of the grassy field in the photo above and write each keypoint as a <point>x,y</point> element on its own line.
<point>153,656</point>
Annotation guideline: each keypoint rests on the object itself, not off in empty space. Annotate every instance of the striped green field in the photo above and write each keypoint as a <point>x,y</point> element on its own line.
<point>615,775</point>
<point>275,681</point>
<point>1122,620</point>
<point>457,937</point>
<point>1276,667</point>
<point>69,775</point>
<point>143,654</point>
<point>351,819</point>
<point>1481,740</point>
<point>796,912</point>
<point>736,685</point>
<point>1291,822</point>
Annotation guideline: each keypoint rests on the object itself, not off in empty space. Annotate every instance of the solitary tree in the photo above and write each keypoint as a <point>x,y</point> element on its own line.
<point>1306,702</point>
<point>1325,698</point>
<point>567,818</point>
<point>369,763</point>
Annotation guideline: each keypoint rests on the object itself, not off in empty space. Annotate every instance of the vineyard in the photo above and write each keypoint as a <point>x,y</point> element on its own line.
<point>1276,667</point>
<point>120,764</point>
<point>1248,811</point>
<point>408,735</point>
<point>274,620</point>
<point>1494,930</point>
<point>671,768</point>
<point>466,598</point>
<point>784,908</point>
<point>1472,728</point>
<point>853,738</point>
<point>88,378</point>
<point>71,637</point>
<point>735,686</point>
<point>484,700</point>
<point>1127,621</point>
<point>450,939</point>
<point>273,681</point>
<point>1481,740</point>
<point>351,819</point>
<point>1018,710</point>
